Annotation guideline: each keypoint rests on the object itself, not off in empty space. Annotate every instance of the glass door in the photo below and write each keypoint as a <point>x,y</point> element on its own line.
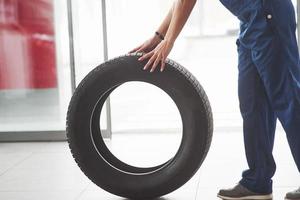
<point>34,67</point>
<point>46,49</point>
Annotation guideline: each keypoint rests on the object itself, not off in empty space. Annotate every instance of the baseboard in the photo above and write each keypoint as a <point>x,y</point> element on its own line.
<point>30,136</point>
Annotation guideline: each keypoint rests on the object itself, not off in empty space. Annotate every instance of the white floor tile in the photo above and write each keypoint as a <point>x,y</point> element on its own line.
<point>45,195</point>
<point>207,193</point>
<point>42,180</point>
<point>9,160</point>
<point>97,194</point>
<point>49,161</point>
<point>42,171</point>
<point>279,192</point>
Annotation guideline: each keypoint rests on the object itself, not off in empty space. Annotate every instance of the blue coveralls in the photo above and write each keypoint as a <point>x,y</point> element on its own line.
<point>268,84</point>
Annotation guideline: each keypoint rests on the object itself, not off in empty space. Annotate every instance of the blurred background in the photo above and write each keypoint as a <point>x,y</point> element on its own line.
<point>48,46</point>
<point>35,75</point>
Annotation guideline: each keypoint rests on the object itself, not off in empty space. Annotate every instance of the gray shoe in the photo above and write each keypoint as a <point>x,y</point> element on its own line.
<point>239,192</point>
<point>294,195</point>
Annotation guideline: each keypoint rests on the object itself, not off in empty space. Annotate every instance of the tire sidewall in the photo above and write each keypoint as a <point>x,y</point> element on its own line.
<point>195,127</point>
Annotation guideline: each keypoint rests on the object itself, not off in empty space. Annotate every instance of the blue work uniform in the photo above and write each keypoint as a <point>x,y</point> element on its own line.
<point>268,84</point>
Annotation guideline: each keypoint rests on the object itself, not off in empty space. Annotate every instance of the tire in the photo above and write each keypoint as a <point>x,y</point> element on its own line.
<point>107,171</point>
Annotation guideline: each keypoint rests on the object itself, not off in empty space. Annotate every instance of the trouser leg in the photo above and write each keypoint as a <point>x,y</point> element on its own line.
<point>277,62</point>
<point>283,90</point>
<point>259,124</point>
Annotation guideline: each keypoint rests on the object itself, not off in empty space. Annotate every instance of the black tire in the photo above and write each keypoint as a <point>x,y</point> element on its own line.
<point>101,166</point>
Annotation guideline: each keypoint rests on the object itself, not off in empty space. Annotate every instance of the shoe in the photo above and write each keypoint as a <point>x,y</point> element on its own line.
<point>294,195</point>
<point>239,192</point>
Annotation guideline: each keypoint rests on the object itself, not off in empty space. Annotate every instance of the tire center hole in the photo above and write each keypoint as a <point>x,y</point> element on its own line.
<point>146,124</point>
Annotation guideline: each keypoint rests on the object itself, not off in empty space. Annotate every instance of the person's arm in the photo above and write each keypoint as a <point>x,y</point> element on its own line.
<point>163,28</point>
<point>181,13</point>
<point>154,40</point>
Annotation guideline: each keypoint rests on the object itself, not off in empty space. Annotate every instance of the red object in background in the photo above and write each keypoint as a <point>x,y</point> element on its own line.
<point>27,48</point>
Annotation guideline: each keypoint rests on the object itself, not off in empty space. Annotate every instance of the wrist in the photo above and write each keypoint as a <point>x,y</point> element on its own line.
<point>159,35</point>
<point>169,40</point>
<point>156,39</point>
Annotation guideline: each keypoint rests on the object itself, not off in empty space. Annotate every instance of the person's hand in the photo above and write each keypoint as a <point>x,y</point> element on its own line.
<point>147,46</point>
<point>157,55</point>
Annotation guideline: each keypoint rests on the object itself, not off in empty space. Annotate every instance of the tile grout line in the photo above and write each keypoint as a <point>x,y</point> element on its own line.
<point>197,188</point>
<point>16,164</point>
<point>80,194</point>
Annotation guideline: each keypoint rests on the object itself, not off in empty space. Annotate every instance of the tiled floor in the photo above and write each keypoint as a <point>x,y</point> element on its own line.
<point>46,170</point>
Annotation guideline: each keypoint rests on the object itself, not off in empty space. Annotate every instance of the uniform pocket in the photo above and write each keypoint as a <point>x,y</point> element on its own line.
<point>280,14</point>
<point>268,12</point>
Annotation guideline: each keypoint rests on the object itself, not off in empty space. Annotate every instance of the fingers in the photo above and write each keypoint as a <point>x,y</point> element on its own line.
<point>137,49</point>
<point>145,56</point>
<point>154,60</point>
<point>150,61</point>
<point>157,60</point>
<point>133,50</point>
<point>163,64</point>
<point>157,57</point>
